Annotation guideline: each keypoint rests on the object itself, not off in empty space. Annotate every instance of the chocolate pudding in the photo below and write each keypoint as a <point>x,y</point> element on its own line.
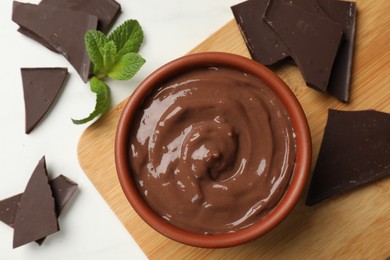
<point>212,151</point>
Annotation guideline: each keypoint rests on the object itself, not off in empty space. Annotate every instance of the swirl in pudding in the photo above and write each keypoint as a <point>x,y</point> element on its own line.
<point>212,150</point>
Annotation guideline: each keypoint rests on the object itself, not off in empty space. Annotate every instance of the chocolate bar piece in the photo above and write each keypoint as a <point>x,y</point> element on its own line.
<point>264,45</point>
<point>36,215</point>
<point>63,190</point>
<point>343,13</point>
<point>106,10</point>
<point>355,150</point>
<point>63,29</point>
<point>312,39</point>
<point>40,86</point>
<point>8,208</point>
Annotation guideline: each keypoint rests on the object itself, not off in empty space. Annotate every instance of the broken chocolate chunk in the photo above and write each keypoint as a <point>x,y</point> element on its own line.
<point>63,190</point>
<point>63,29</point>
<point>106,10</point>
<point>8,209</point>
<point>355,150</point>
<point>267,47</point>
<point>264,45</point>
<point>36,215</point>
<point>313,39</point>
<point>40,86</point>
<point>343,13</point>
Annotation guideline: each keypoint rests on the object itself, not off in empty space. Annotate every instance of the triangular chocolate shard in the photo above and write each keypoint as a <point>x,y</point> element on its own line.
<point>36,216</point>
<point>355,150</point>
<point>63,191</point>
<point>106,10</point>
<point>63,29</point>
<point>312,39</point>
<point>8,208</point>
<point>40,86</point>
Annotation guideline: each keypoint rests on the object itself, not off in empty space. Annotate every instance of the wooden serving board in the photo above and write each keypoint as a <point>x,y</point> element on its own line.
<point>354,225</point>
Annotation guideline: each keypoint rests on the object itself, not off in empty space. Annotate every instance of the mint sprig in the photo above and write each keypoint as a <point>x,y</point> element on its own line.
<point>114,56</point>
<point>102,92</point>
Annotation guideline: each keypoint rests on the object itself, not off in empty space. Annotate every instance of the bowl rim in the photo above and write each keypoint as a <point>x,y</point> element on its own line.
<point>287,98</point>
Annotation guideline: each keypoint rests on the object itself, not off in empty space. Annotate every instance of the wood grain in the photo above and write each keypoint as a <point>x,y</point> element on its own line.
<point>355,225</point>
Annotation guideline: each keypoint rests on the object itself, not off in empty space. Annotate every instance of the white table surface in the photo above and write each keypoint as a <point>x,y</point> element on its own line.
<point>89,229</point>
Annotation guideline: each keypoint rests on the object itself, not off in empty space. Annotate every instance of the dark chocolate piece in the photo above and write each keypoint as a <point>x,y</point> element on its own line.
<point>106,10</point>
<point>313,39</point>
<point>355,150</point>
<point>63,29</point>
<point>63,190</point>
<point>8,209</point>
<point>41,87</point>
<point>36,216</point>
<point>264,45</point>
<point>344,13</point>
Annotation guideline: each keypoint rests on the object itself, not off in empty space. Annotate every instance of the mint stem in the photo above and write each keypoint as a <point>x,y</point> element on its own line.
<point>101,75</point>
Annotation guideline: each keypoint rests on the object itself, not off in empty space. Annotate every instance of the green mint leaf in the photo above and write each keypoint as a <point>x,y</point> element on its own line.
<point>94,43</point>
<point>127,37</point>
<point>102,100</point>
<point>109,55</point>
<point>127,66</point>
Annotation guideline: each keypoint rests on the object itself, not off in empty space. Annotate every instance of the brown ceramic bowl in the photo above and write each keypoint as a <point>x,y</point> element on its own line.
<point>298,178</point>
